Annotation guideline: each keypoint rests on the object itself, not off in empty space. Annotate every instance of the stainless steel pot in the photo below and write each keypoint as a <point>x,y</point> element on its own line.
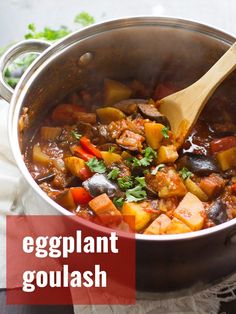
<point>142,47</point>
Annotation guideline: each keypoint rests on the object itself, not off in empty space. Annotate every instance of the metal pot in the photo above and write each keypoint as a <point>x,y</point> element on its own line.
<point>142,47</point>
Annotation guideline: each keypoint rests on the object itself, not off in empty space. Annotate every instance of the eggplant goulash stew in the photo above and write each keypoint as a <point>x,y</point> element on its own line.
<point>107,153</point>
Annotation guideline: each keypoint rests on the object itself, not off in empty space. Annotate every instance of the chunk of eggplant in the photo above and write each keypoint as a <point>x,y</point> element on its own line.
<point>199,165</point>
<point>129,106</point>
<point>217,212</point>
<point>99,184</point>
<point>151,112</point>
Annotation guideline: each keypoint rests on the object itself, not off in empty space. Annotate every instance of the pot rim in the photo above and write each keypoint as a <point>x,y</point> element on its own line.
<point>58,48</point>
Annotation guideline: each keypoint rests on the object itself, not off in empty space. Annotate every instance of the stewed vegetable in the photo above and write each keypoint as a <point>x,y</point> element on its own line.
<point>110,155</point>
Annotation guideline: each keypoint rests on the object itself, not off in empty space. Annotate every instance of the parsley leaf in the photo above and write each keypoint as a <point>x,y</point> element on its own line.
<point>136,194</point>
<point>185,173</point>
<point>113,174</point>
<point>141,181</point>
<point>96,165</point>
<point>165,132</point>
<point>125,183</point>
<point>76,135</point>
<point>158,168</point>
<point>118,202</point>
<point>149,155</point>
<point>84,19</point>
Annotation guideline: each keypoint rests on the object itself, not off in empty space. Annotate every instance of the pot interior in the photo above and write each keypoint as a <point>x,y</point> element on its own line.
<point>152,53</point>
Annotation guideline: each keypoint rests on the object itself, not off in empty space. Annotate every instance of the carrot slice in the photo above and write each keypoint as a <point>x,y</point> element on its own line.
<point>92,149</point>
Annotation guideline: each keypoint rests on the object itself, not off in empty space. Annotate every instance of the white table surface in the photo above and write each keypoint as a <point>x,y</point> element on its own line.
<point>15,15</point>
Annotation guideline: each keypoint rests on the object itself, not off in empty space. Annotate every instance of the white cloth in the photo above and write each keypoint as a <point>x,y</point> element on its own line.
<point>13,187</point>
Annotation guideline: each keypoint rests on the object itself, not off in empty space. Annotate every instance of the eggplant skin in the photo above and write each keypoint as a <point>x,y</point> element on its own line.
<point>199,165</point>
<point>150,112</point>
<point>99,184</point>
<point>217,212</point>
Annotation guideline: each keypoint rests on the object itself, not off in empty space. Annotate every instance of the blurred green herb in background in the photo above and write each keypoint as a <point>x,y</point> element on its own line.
<point>16,69</point>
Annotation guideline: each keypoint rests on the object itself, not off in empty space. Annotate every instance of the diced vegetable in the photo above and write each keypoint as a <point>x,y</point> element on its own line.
<point>212,185</point>
<point>66,200</point>
<point>159,225</point>
<point>227,159</point>
<point>80,152</point>
<point>92,149</point>
<point>150,112</point>
<point>167,154</point>
<point>130,140</point>
<point>68,113</point>
<point>109,158</point>
<point>99,184</point>
<point>75,165</point>
<point>104,208</point>
<point>129,106</point>
<point>196,190</point>
<point>80,195</point>
<point>199,165</point>
<point>177,226</point>
<point>167,183</point>
<point>191,212</point>
<point>50,133</point>
<point>142,217</point>
<point>85,173</point>
<point>222,144</point>
<point>108,114</point>
<point>217,212</point>
<point>153,134</point>
<point>39,157</point>
<point>115,91</point>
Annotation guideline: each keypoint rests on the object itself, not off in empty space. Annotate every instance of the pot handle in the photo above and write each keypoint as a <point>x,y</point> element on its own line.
<point>34,46</point>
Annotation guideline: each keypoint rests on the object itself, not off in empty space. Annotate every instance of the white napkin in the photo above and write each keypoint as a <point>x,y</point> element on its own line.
<point>12,189</point>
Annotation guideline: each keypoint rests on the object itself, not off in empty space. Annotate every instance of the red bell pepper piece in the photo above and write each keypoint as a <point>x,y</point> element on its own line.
<point>233,188</point>
<point>88,146</point>
<point>222,144</point>
<point>85,173</point>
<point>80,195</point>
<point>78,150</point>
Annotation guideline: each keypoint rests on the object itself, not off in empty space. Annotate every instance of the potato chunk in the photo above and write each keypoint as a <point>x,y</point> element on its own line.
<point>167,154</point>
<point>177,226</point>
<point>191,212</point>
<point>227,159</point>
<point>159,225</point>
<point>109,157</point>
<point>74,165</point>
<point>153,134</point>
<point>115,91</point>
<point>142,217</point>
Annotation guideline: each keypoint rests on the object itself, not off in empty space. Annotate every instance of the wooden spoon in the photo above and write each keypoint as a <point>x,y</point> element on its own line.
<point>184,107</point>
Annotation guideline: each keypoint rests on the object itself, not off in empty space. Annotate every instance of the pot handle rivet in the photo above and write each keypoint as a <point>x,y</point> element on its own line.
<point>26,46</point>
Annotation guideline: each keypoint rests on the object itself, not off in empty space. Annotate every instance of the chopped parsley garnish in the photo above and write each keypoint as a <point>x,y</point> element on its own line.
<point>84,19</point>
<point>96,165</point>
<point>165,132</point>
<point>118,202</point>
<point>76,135</point>
<point>136,194</point>
<point>113,174</point>
<point>158,168</point>
<point>146,160</point>
<point>125,183</point>
<point>141,181</point>
<point>185,173</point>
